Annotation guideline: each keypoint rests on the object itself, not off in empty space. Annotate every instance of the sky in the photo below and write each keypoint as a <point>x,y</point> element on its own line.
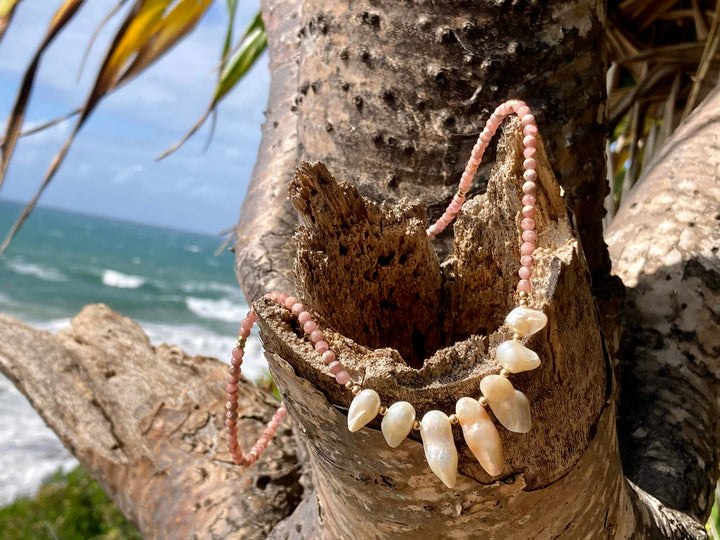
<point>111,169</point>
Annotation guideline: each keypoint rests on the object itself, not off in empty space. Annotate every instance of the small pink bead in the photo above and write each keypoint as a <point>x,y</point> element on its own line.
<point>237,353</point>
<point>252,316</point>
<point>530,130</point>
<point>530,141</point>
<point>335,367</point>
<point>529,152</point>
<point>232,379</point>
<point>523,111</point>
<point>530,175</point>
<point>528,200</point>
<point>304,317</point>
<point>236,362</point>
<point>247,324</point>
<point>524,272</point>
<point>271,295</point>
<point>244,333</point>
<point>328,357</point>
<point>249,460</point>
<point>527,248</point>
<point>529,187</point>
<point>527,260</point>
<point>232,398</point>
<point>518,104</point>
<point>290,301</point>
<point>527,224</point>
<point>321,346</point>
<point>273,425</point>
<point>527,120</point>
<point>529,211</point>
<point>316,335</point>
<point>523,285</point>
<point>297,309</point>
<point>454,207</point>
<point>485,136</point>
<point>342,378</point>
<point>503,109</point>
<point>530,163</point>
<point>432,230</point>
<point>231,415</point>
<point>230,423</point>
<point>529,236</point>
<point>465,186</point>
<point>281,298</point>
<point>310,327</point>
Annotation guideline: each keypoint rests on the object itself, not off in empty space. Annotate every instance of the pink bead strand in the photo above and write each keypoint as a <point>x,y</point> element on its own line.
<point>530,131</point>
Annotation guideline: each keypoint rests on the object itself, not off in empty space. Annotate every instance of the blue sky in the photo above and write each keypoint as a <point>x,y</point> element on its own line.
<point>111,169</point>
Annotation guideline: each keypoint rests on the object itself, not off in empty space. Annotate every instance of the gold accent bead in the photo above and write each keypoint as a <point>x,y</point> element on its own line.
<point>460,193</point>
<point>349,385</point>
<point>454,419</point>
<point>383,410</point>
<point>504,373</point>
<point>517,337</point>
<point>356,390</point>
<point>416,425</point>
<point>483,401</point>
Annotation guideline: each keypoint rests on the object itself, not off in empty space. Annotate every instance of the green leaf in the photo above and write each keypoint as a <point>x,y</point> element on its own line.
<point>252,46</point>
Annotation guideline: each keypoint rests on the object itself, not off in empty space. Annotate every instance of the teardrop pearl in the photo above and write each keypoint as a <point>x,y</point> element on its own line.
<point>525,321</point>
<point>363,408</point>
<point>511,407</point>
<point>440,451</point>
<point>480,434</point>
<point>515,357</point>
<point>397,423</point>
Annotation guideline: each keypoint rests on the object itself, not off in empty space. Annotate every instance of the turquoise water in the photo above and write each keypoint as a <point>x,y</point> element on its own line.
<point>169,281</point>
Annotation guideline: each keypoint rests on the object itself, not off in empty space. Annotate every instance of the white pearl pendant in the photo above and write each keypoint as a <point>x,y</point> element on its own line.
<point>511,407</point>
<point>363,408</point>
<point>397,423</point>
<point>480,434</point>
<point>515,357</point>
<point>525,321</point>
<point>440,451</point>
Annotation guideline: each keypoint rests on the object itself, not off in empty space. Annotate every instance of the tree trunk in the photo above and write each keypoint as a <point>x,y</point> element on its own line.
<point>391,97</point>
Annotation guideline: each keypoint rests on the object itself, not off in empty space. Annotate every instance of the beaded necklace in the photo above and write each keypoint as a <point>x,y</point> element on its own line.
<point>510,406</point>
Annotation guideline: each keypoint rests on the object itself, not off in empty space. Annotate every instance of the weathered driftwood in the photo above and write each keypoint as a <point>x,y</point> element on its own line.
<point>665,243</point>
<point>369,270</point>
<point>148,423</point>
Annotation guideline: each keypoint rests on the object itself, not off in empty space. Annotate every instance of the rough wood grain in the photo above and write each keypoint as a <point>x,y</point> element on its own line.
<point>147,422</point>
<point>568,393</point>
<point>664,243</point>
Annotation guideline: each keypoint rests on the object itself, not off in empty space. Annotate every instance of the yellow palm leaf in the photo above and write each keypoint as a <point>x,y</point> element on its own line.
<point>7,8</point>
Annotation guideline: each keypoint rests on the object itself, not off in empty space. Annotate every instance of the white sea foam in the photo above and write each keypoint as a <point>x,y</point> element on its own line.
<point>222,310</point>
<point>211,286</point>
<point>46,273</point>
<point>199,341</point>
<point>192,248</point>
<point>112,278</point>
<point>52,326</point>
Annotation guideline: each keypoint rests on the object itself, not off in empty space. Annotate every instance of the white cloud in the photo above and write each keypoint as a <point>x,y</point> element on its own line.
<point>127,173</point>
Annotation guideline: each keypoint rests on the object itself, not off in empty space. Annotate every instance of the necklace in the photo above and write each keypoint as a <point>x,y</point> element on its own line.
<point>510,406</point>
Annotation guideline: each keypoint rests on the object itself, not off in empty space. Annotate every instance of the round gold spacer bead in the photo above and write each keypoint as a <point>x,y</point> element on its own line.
<point>349,385</point>
<point>504,373</point>
<point>383,410</point>
<point>460,193</point>
<point>356,390</point>
<point>517,337</point>
<point>483,401</point>
<point>454,419</point>
<point>416,425</point>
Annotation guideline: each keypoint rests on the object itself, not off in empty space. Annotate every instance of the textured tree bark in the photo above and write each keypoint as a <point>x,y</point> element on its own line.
<point>665,242</point>
<point>147,423</point>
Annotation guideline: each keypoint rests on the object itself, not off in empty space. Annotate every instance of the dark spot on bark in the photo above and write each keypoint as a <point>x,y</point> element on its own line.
<point>263,481</point>
<point>391,141</point>
<point>691,224</point>
<point>304,88</point>
<point>714,249</point>
<point>343,249</point>
<point>315,86</point>
<point>298,527</point>
<point>448,121</point>
<point>384,260</point>
<point>683,306</point>
<point>358,103</point>
<point>420,104</point>
<point>328,127</point>
<point>417,339</point>
<point>446,36</point>
<point>469,24</point>
<point>389,98</point>
<point>387,481</point>
<point>293,108</point>
<point>275,124</point>
<point>427,507</point>
<point>345,86</point>
<point>441,78</point>
<point>365,56</point>
<point>408,149</point>
<point>323,27</point>
<point>345,54</point>
<point>371,19</point>
<point>717,216</point>
<point>377,139</point>
<point>668,277</point>
<point>110,374</point>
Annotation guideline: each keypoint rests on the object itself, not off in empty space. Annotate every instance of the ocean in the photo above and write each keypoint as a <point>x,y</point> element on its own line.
<point>169,281</point>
